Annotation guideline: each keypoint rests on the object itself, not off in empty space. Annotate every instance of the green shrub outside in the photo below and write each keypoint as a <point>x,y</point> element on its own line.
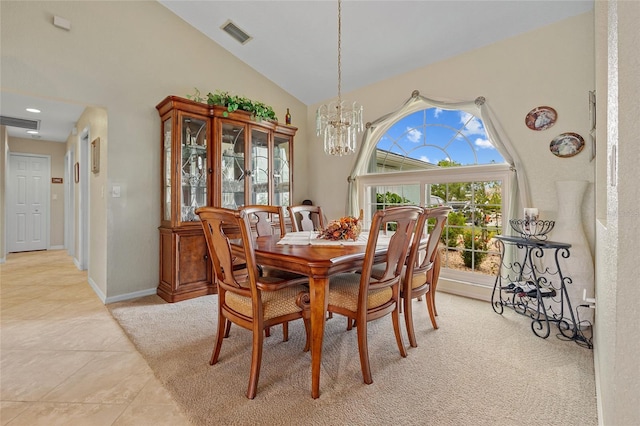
<point>451,234</point>
<point>476,244</point>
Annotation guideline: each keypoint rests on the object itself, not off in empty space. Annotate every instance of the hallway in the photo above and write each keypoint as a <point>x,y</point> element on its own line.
<point>63,359</point>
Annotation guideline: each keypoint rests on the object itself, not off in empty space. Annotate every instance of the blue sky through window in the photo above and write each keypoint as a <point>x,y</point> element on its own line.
<point>435,134</point>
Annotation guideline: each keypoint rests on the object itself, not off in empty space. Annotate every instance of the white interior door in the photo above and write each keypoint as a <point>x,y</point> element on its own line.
<point>28,202</point>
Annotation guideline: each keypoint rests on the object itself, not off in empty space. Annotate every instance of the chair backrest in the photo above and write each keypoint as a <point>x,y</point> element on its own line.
<point>423,257</point>
<point>306,218</point>
<point>266,220</point>
<point>214,222</point>
<point>406,218</point>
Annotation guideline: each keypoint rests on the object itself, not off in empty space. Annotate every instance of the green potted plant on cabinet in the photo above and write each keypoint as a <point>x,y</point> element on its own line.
<point>258,110</point>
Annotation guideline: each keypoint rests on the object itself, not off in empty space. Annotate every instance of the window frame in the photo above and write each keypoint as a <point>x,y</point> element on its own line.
<point>484,172</point>
<point>515,187</point>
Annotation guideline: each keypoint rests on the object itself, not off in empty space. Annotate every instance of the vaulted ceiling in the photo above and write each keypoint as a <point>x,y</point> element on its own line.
<point>294,43</point>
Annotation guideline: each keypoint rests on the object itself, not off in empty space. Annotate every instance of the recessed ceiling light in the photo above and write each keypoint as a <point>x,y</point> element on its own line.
<point>34,110</point>
<point>32,132</point>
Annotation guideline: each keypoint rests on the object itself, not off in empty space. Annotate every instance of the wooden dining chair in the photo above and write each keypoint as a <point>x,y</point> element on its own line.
<point>362,297</point>
<point>267,220</point>
<point>306,217</point>
<point>248,300</point>
<point>422,269</point>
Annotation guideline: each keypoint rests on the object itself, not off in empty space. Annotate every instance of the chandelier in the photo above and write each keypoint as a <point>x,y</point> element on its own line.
<point>340,121</point>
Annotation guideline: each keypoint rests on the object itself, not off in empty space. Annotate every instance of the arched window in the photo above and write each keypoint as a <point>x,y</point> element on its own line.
<point>434,137</point>
<point>433,153</point>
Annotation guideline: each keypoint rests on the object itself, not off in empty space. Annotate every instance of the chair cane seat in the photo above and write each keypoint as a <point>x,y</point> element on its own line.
<point>274,303</point>
<point>418,279</point>
<point>344,288</point>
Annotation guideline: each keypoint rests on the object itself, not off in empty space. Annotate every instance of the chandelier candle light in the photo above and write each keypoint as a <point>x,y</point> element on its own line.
<point>339,122</point>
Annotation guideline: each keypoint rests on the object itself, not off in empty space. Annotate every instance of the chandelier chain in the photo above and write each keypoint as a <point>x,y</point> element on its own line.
<point>339,51</point>
<point>339,124</point>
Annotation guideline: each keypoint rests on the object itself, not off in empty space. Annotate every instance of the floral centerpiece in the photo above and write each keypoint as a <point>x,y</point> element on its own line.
<point>345,228</point>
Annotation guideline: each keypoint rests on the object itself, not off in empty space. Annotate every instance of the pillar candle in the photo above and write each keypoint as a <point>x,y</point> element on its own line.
<point>530,214</point>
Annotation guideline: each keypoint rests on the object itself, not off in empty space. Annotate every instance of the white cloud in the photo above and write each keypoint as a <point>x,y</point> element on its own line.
<point>436,112</point>
<point>483,143</point>
<point>414,135</point>
<point>424,158</point>
<point>473,124</point>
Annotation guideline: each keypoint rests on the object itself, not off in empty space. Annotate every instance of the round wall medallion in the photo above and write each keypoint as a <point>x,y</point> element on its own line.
<point>566,145</point>
<point>541,118</point>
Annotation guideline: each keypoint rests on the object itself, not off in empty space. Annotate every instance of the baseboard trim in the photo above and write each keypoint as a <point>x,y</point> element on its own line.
<point>465,289</point>
<point>129,296</point>
<point>56,247</point>
<point>596,362</point>
<point>97,290</point>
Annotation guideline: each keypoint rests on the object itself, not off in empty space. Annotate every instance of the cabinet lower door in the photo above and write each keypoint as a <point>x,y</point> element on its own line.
<point>185,266</point>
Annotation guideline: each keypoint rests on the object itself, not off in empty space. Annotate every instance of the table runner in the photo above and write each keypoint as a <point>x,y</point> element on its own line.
<point>311,238</point>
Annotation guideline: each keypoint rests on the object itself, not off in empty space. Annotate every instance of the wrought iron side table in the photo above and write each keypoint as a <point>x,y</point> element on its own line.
<point>533,286</point>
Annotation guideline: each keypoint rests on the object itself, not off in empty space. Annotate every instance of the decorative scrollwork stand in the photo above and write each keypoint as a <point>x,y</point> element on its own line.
<point>533,287</point>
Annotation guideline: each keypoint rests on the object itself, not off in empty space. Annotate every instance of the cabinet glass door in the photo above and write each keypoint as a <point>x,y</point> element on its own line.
<point>194,166</point>
<point>166,148</point>
<point>233,166</point>
<point>259,182</point>
<point>281,170</point>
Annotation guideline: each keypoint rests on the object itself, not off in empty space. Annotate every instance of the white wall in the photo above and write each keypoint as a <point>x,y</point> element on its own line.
<point>126,57</point>
<point>617,338</point>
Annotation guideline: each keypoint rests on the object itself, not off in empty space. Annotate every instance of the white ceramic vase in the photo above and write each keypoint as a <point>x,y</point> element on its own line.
<point>569,229</point>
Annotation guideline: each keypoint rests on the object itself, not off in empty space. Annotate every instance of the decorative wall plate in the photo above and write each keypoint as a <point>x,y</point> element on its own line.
<point>541,118</point>
<point>566,145</point>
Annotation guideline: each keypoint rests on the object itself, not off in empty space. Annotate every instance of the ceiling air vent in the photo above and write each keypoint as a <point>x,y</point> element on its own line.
<point>19,122</point>
<point>234,31</point>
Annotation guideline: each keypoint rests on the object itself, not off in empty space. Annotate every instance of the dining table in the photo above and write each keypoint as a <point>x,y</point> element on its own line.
<point>303,253</point>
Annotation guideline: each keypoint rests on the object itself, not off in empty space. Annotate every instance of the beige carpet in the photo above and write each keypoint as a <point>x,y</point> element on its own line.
<point>479,368</point>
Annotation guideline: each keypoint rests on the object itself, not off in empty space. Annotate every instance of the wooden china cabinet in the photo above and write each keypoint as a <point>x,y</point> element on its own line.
<point>212,158</point>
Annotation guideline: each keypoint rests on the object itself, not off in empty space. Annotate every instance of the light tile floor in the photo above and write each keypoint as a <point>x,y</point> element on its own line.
<point>63,359</point>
